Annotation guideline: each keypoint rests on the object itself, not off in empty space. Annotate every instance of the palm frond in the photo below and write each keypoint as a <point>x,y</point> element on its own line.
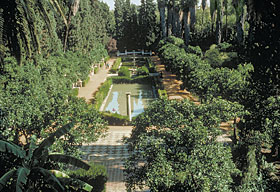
<point>22,176</point>
<point>7,147</point>
<point>6,177</point>
<point>51,139</point>
<point>69,160</point>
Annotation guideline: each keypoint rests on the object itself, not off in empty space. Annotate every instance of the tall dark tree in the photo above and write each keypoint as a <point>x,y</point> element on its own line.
<point>161,7</point>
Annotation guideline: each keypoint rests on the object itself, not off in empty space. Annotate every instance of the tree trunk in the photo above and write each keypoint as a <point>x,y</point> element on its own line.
<point>169,19</point>
<point>186,27</point>
<point>177,21</point>
<point>219,26</point>
<point>192,17</point>
<point>162,21</point>
<point>67,28</point>
<point>240,28</point>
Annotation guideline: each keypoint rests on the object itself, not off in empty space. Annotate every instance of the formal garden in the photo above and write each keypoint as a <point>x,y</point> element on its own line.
<point>225,53</point>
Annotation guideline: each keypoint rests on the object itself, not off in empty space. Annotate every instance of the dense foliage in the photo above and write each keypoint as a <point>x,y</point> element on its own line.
<point>174,148</point>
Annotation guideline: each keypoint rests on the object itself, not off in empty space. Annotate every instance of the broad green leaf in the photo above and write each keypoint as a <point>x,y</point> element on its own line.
<point>51,139</point>
<point>50,178</point>
<point>68,160</point>
<point>6,177</point>
<point>32,147</point>
<point>7,147</point>
<point>22,175</point>
<point>59,174</point>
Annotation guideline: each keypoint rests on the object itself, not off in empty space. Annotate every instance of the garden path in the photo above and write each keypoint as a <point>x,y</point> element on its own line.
<point>95,81</point>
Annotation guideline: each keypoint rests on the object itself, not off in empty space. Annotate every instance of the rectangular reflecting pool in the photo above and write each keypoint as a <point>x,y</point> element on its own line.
<point>141,96</point>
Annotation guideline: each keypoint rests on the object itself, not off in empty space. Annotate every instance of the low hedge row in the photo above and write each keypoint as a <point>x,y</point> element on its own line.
<point>124,72</point>
<point>116,119</point>
<point>85,81</point>
<point>130,80</point>
<point>96,176</point>
<point>75,92</point>
<point>102,93</point>
<point>116,65</point>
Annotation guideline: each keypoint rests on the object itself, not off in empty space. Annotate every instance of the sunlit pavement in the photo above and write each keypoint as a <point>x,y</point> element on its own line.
<point>110,152</point>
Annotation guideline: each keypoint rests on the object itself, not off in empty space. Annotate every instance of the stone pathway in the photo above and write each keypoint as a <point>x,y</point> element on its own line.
<point>110,152</point>
<point>95,81</point>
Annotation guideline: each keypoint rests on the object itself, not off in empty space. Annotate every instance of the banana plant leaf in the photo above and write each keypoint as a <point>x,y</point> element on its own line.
<point>76,183</point>
<point>7,147</point>
<point>69,160</point>
<point>6,177</point>
<point>51,139</point>
<point>50,178</point>
<point>22,175</point>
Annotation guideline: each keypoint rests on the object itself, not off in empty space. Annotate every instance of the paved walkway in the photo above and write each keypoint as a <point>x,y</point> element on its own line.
<point>110,152</point>
<point>94,83</point>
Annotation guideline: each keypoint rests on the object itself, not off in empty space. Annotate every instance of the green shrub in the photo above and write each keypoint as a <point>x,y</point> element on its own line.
<point>116,65</point>
<point>96,70</point>
<point>162,94</point>
<point>75,92</point>
<point>102,93</point>
<point>195,50</point>
<point>85,81</point>
<point>213,57</point>
<point>224,46</point>
<point>128,64</point>
<point>129,80</point>
<point>143,71</point>
<point>96,176</point>
<point>124,71</point>
<point>116,119</point>
<point>107,59</point>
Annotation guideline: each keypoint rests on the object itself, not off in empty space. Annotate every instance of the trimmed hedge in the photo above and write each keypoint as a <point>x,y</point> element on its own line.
<point>96,70</point>
<point>116,119</point>
<point>75,92</point>
<point>102,93</point>
<point>124,71</point>
<point>85,81</point>
<point>116,65</point>
<point>130,80</point>
<point>96,176</point>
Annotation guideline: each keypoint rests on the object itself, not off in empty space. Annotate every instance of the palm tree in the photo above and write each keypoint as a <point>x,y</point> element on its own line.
<point>33,164</point>
<point>161,7</point>
<point>17,26</point>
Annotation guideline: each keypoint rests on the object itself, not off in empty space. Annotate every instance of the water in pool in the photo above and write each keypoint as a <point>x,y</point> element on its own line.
<point>141,96</point>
